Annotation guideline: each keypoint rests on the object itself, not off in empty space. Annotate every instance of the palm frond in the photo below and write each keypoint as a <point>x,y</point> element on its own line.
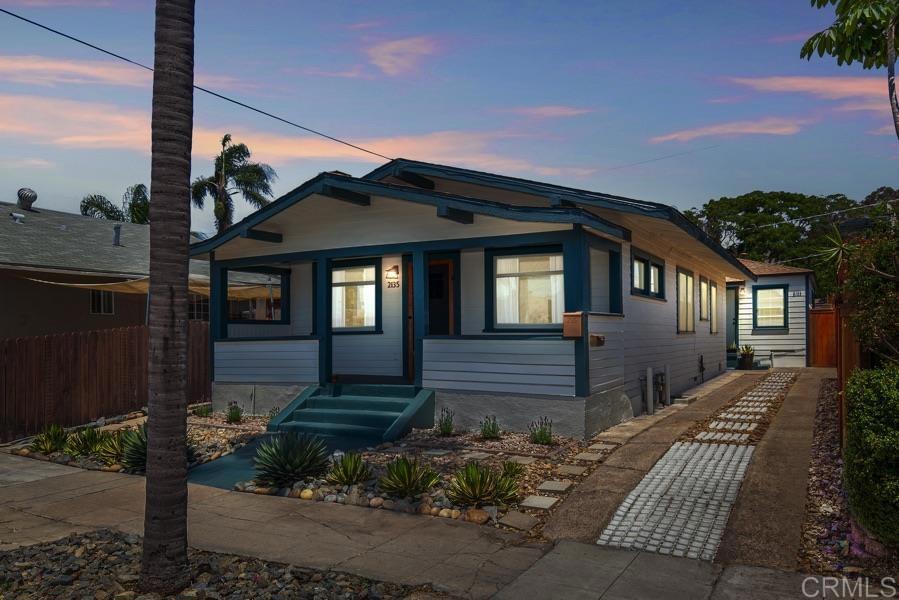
<point>136,204</point>
<point>99,207</point>
<point>201,188</point>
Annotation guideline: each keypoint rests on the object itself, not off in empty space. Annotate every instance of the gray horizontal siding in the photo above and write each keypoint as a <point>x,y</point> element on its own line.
<point>288,361</point>
<point>513,366</point>
<point>606,361</point>
<point>789,344</point>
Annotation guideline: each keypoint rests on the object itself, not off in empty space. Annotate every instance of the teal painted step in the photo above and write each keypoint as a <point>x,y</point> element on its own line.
<point>381,412</point>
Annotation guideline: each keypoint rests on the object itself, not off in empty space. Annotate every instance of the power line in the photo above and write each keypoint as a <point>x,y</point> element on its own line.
<point>196,87</point>
<point>658,158</point>
<point>827,214</point>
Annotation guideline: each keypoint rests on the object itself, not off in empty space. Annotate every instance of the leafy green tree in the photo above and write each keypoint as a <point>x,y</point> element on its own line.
<point>864,31</point>
<point>135,206</point>
<point>753,226</point>
<point>234,174</point>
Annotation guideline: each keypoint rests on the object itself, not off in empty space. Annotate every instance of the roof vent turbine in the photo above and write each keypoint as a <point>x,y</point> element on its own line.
<point>27,197</point>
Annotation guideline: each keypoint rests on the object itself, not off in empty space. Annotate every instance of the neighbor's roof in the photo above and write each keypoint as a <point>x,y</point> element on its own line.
<point>764,268</point>
<point>52,240</point>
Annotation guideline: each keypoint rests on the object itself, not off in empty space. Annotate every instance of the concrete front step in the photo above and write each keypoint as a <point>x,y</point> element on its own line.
<point>381,404</point>
<point>333,429</point>
<point>369,418</point>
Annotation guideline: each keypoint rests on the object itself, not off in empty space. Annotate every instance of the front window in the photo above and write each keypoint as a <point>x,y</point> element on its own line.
<point>685,307</point>
<point>252,296</point>
<point>354,297</point>
<point>770,307</point>
<point>530,289</point>
<point>102,302</point>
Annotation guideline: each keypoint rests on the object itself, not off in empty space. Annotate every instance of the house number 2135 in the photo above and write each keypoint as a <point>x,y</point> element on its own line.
<point>393,284</point>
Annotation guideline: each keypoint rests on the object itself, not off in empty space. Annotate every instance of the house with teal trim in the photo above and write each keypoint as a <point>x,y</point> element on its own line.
<point>771,314</point>
<point>421,286</point>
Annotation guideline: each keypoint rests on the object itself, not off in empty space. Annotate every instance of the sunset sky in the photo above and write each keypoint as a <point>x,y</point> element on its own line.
<point>571,95</point>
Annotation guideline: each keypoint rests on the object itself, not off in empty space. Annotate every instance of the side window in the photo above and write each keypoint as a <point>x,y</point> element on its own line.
<point>685,302</point>
<point>703,299</point>
<point>102,303</point>
<point>713,307</point>
<point>647,275</point>
<point>769,307</point>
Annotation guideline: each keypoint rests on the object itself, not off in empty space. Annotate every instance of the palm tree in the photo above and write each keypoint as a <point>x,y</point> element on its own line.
<point>164,566</point>
<point>135,206</point>
<point>234,173</point>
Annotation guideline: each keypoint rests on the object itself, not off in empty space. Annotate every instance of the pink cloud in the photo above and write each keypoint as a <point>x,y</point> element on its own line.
<point>726,100</point>
<point>765,126</point>
<point>550,111</point>
<point>49,71</point>
<point>402,56</point>
<point>885,130</point>
<point>799,36</point>
<point>27,163</point>
<point>830,88</point>
<point>354,72</point>
<point>90,125</point>
<point>56,3</point>
<point>365,25</point>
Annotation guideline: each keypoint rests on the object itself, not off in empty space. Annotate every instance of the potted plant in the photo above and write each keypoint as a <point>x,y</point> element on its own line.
<point>747,356</point>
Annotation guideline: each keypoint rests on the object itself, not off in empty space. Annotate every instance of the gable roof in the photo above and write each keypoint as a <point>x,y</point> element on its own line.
<point>338,184</point>
<point>764,269</point>
<point>416,172</point>
<point>53,240</point>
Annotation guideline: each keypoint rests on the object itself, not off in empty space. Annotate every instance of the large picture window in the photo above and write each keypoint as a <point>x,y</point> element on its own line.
<point>647,275</point>
<point>254,296</point>
<point>529,290</point>
<point>354,297</point>
<point>685,306</point>
<point>769,307</point>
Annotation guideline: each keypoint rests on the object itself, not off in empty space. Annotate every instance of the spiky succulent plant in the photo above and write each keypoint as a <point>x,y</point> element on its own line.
<point>407,477</point>
<point>288,458</point>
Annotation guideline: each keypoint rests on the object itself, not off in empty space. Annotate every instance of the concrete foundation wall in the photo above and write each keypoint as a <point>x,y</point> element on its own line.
<point>254,399</point>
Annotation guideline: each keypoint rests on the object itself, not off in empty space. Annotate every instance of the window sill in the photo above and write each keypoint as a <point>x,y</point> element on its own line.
<point>357,331</point>
<point>594,313</point>
<point>639,294</point>
<point>513,330</point>
<point>686,333</point>
<point>258,322</point>
<point>770,330</point>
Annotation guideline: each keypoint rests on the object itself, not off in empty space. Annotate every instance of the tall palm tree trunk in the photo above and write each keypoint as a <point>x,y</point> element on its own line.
<point>891,74</point>
<point>165,567</point>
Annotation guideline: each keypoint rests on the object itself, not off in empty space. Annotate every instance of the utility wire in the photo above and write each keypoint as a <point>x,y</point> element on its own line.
<point>196,87</point>
<point>658,158</point>
<point>827,214</point>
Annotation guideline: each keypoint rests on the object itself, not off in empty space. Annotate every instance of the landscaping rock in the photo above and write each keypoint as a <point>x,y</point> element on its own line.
<point>307,494</point>
<point>376,502</point>
<point>477,515</point>
<point>445,513</point>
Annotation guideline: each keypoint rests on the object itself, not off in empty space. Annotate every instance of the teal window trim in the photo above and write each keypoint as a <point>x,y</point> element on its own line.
<point>714,327</point>
<point>786,320</point>
<point>706,300</point>
<point>679,271</point>
<point>614,249</point>
<point>285,296</point>
<point>358,262</point>
<point>490,254</point>
<point>649,261</point>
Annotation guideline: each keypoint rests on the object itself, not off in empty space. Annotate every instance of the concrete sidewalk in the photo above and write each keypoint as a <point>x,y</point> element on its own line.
<point>575,571</point>
<point>459,558</point>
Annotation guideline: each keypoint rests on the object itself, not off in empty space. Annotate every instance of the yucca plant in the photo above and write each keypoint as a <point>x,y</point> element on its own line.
<point>506,490</point>
<point>512,469</point>
<point>84,442</point>
<point>349,469</point>
<point>289,457</point>
<point>490,428</point>
<point>473,485</point>
<point>51,439</point>
<point>134,448</point>
<point>541,431</point>
<point>111,448</point>
<point>407,477</point>
<point>445,425</point>
<point>234,414</point>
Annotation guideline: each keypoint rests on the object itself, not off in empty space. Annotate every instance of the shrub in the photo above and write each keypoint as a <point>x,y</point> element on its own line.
<point>541,431</point>
<point>274,412</point>
<point>134,448</point>
<point>475,485</point>
<point>234,414</point>
<point>349,469</point>
<point>111,448</point>
<point>405,478</point>
<point>288,458</point>
<point>445,422</point>
<point>204,410</point>
<point>84,442</point>
<point>871,461</point>
<point>490,428</point>
<point>512,469</point>
<point>51,439</point>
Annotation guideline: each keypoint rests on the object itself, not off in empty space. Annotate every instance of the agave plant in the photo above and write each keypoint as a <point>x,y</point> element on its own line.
<point>512,469</point>
<point>407,477</point>
<point>111,448</point>
<point>134,448</point>
<point>475,485</point>
<point>289,457</point>
<point>84,442</point>
<point>506,490</point>
<point>349,469</point>
<point>51,439</point>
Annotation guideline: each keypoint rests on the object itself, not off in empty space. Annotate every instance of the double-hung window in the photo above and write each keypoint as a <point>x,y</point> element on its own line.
<point>529,290</point>
<point>713,307</point>
<point>354,297</point>
<point>647,275</point>
<point>685,300</point>
<point>703,299</point>
<point>769,307</point>
<point>102,303</point>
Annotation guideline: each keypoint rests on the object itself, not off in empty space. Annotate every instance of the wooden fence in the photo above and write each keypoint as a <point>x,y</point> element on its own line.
<point>75,378</point>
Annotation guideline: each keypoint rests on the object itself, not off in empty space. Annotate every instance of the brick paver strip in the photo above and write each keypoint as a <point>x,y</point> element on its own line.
<point>544,502</point>
<point>588,456</point>
<point>554,486</point>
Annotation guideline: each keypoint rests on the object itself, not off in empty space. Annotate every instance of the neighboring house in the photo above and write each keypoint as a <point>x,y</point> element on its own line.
<point>458,281</point>
<point>41,247</point>
<point>771,314</point>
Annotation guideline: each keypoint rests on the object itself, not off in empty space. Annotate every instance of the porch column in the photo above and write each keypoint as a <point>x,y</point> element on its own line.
<point>322,318</point>
<point>576,259</point>
<point>420,310</point>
